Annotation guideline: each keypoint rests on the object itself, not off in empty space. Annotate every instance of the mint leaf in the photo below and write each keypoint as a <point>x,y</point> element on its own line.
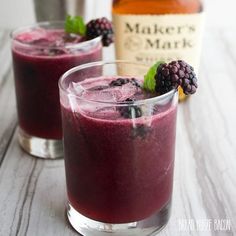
<point>75,25</point>
<point>149,79</point>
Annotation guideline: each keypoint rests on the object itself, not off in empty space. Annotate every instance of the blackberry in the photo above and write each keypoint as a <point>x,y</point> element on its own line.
<point>119,82</point>
<point>100,27</point>
<point>130,111</point>
<point>134,82</point>
<point>141,131</point>
<point>122,81</point>
<point>53,52</point>
<point>129,100</point>
<point>176,73</point>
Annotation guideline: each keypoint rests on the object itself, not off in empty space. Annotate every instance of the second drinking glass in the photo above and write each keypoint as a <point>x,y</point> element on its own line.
<point>41,54</point>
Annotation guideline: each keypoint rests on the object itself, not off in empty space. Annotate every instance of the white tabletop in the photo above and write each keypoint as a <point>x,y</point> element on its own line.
<point>32,191</point>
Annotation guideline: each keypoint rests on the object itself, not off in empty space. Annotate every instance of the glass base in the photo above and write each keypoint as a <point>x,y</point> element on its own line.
<point>149,226</point>
<point>39,147</point>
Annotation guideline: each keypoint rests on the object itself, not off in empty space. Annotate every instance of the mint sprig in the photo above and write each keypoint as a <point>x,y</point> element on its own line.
<point>149,79</point>
<point>75,25</point>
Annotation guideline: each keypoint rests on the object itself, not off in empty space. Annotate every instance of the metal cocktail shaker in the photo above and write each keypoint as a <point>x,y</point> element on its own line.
<point>51,10</point>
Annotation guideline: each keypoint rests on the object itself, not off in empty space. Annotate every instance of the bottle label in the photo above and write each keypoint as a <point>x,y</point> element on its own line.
<point>149,38</point>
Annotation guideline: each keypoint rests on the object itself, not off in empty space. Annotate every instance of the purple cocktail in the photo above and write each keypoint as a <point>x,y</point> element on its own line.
<point>119,144</point>
<point>41,54</point>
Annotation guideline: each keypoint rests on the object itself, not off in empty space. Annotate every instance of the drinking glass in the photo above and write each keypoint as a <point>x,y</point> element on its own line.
<point>119,170</point>
<point>37,69</point>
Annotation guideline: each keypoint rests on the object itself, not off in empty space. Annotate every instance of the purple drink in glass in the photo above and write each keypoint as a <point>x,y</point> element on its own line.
<point>41,54</point>
<point>119,144</point>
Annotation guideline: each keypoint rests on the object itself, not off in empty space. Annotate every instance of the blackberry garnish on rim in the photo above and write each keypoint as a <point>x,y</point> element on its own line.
<point>162,77</point>
<point>94,28</point>
<point>174,74</point>
<point>101,27</point>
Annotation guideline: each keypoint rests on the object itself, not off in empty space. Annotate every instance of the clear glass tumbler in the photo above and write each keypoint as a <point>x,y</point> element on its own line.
<point>119,167</point>
<point>41,54</point>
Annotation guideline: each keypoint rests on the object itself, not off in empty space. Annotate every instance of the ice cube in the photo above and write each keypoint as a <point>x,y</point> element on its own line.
<point>106,112</point>
<point>93,84</point>
<point>99,95</point>
<point>127,91</point>
<point>75,88</point>
<point>105,93</point>
<point>33,37</point>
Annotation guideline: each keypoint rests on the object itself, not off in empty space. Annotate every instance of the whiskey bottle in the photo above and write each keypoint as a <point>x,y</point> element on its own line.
<point>151,30</point>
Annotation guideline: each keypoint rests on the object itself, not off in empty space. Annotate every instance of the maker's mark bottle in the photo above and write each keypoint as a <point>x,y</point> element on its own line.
<point>151,30</point>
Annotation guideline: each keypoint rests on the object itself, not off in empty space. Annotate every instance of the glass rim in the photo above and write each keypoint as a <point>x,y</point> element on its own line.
<point>22,29</point>
<point>124,103</point>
